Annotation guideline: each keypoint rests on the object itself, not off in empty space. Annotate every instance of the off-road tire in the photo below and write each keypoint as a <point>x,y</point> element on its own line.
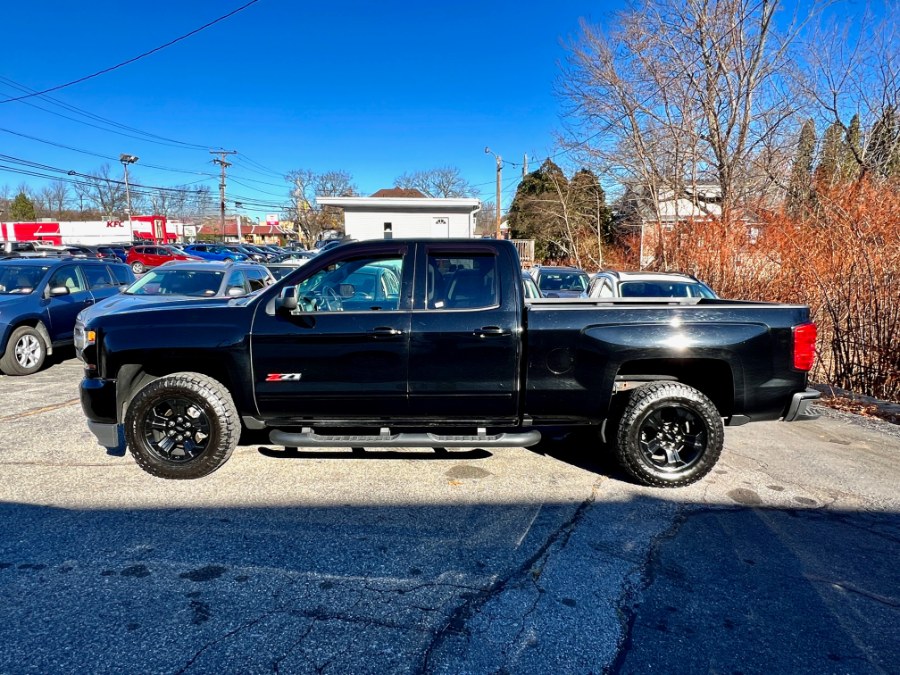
<point>660,421</point>
<point>25,352</point>
<point>149,408</point>
<point>137,267</point>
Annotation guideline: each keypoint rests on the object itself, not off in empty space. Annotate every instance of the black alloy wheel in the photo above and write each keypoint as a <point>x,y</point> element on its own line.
<point>668,434</point>
<point>672,439</point>
<point>176,429</point>
<point>183,425</point>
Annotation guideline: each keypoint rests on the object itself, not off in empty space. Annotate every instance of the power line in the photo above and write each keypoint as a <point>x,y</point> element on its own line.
<point>101,156</point>
<point>134,58</point>
<point>98,118</point>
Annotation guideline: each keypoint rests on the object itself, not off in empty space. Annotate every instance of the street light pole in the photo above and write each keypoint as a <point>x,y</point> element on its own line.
<point>126,160</point>
<point>237,217</point>
<point>499,179</point>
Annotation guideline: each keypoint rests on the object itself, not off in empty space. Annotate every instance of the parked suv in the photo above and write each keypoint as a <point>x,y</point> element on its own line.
<point>560,282</point>
<point>648,285</point>
<point>39,300</point>
<point>202,280</point>
<point>142,258</point>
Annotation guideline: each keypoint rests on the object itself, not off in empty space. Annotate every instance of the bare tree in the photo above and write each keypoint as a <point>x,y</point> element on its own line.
<point>106,193</point>
<point>852,75</point>
<point>486,219</point>
<point>682,93</point>
<point>82,193</point>
<point>57,198</point>
<point>305,186</point>
<point>160,201</point>
<point>441,182</point>
<point>6,195</point>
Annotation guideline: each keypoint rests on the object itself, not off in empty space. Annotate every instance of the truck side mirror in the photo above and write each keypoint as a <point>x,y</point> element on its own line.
<point>287,301</point>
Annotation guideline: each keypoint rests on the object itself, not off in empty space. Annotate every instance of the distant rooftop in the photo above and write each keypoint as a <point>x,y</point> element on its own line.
<point>396,192</point>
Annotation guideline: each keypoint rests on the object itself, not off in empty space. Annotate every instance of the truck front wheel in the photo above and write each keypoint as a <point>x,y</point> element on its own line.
<point>668,435</point>
<point>183,425</point>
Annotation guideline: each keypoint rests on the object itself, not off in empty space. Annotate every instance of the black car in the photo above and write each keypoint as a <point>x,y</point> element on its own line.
<point>251,255</point>
<point>39,300</point>
<point>84,251</point>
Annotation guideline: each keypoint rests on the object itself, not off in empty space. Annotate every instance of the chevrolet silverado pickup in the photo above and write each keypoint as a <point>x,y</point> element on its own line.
<point>432,343</point>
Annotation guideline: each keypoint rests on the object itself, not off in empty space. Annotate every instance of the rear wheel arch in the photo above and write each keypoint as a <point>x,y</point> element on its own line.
<point>714,378</point>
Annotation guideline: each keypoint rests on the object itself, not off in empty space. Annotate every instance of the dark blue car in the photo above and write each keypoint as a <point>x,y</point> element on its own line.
<point>214,252</point>
<point>39,300</point>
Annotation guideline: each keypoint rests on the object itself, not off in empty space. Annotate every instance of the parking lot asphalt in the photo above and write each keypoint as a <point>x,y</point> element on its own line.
<point>459,561</point>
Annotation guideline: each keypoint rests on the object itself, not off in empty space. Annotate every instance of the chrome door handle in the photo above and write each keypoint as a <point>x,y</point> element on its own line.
<point>385,331</point>
<point>490,331</point>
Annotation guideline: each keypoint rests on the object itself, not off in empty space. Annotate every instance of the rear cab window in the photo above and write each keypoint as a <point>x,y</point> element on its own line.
<point>464,280</point>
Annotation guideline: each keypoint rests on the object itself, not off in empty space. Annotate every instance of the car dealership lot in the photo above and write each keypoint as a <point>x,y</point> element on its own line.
<point>413,560</point>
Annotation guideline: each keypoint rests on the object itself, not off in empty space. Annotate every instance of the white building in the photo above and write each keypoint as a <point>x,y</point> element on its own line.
<point>401,214</point>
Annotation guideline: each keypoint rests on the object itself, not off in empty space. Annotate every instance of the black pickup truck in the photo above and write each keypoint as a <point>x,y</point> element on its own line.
<point>432,343</point>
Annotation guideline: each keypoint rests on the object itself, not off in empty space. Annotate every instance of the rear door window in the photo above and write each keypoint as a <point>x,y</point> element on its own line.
<point>465,281</point>
<point>122,274</point>
<point>97,276</point>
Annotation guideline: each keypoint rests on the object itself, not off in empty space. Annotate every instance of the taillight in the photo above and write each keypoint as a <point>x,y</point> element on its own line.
<point>804,346</point>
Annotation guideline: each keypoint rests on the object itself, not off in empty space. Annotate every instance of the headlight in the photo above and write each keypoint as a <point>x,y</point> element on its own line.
<point>84,338</point>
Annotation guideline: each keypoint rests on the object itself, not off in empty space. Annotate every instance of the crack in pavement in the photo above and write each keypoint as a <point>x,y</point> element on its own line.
<point>38,411</point>
<point>625,608</point>
<point>456,621</point>
<point>852,588</point>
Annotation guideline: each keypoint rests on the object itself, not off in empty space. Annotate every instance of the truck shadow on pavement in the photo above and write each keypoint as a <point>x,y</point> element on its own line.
<point>630,584</point>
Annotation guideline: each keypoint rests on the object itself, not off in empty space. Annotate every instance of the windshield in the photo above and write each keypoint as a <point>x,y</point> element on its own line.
<point>664,289</point>
<point>19,279</point>
<point>192,283</point>
<point>563,281</point>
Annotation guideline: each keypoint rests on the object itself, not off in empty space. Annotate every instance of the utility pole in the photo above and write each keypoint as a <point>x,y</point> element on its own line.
<point>524,165</point>
<point>221,161</point>
<point>499,180</point>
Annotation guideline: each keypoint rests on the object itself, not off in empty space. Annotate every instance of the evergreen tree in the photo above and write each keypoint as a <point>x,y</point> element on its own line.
<point>800,190</point>
<point>852,151</point>
<point>22,208</point>
<point>589,201</point>
<point>833,144</point>
<point>883,149</point>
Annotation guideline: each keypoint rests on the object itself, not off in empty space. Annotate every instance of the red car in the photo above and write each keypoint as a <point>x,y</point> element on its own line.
<point>142,258</point>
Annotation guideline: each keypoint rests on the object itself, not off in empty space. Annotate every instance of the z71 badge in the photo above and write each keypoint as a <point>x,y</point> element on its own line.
<point>283,377</point>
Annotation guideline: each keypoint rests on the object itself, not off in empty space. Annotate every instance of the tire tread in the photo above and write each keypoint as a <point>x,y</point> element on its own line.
<point>227,422</point>
<point>637,402</point>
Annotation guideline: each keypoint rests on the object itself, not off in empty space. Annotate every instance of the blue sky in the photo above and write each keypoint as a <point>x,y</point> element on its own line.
<point>375,89</point>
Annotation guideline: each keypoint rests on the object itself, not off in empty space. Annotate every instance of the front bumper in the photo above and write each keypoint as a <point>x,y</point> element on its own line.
<point>98,400</point>
<point>798,410</point>
<point>110,436</point>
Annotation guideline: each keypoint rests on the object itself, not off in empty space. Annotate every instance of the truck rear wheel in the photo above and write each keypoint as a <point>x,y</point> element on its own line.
<point>668,435</point>
<point>183,425</point>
